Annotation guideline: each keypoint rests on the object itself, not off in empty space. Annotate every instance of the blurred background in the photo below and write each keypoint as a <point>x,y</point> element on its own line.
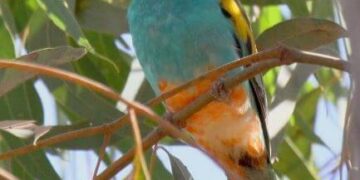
<point>307,104</point>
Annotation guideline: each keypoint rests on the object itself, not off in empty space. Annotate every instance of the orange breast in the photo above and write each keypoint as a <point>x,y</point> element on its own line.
<point>228,131</point>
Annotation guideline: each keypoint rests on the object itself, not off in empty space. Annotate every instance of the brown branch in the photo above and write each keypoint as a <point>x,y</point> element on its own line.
<point>98,87</point>
<point>107,137</point>
<point>148,141</point>
<point>77,134</point>
<point>275,57</point>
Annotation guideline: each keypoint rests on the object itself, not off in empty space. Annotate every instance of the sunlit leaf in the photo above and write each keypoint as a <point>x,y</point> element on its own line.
<point>7,47</point>
<point>269,16</point>
<point>62,18</point>
<point>301,33</point>
<point>295,154</point>
<point>291,162</point>
<point>298,8</point>
<point>137,172</point>
<point>305,112</point>
<point>21,11</point>
<point>8,18</point>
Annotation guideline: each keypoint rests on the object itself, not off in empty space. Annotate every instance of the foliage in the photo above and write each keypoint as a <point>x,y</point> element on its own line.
<point>83,36</point>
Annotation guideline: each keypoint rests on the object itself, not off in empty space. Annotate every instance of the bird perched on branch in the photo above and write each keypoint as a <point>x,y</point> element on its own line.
<point>178,40</point>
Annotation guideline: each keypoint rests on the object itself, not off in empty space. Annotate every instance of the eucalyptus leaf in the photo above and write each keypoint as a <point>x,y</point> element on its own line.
<point>34,165</point>
<point>51,56</point>
<point>43,33</point>
<point>292,163</point>
<point>8,18</point>
<point>7,49</point>
<point>301,33</point>
<point>21,11</point>
<point>179,170</point>
<point>24,128</point>
<point>61,16</point>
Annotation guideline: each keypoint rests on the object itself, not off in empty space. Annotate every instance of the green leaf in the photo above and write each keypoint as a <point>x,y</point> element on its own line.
<point>7,47</point>
<point>292,163</point>
<point>323,9</point>
<point>262,2</point>
<point>32,166</point>
<point>158,169</point>
<point>179,170</point>
<point>295,154</point>
<point>305,112</point>
<point>43,33</point>
<point>297,79</point>
<point>298,7</point>
<point>21,103</point>
<point>269,16</point>
<point>104,44</point>
<point>59,13</point>
<point>85,104</point>
<point>301,33</point>
<point>8,18</point>
<point>22,11</point>
<point>51,57</point>
<point>101,16</point>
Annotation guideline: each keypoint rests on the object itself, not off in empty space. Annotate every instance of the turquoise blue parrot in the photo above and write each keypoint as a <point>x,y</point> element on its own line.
<point>178,40</point>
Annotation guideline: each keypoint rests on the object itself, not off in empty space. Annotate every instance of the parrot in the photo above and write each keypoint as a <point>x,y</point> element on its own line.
<point>178,40</point>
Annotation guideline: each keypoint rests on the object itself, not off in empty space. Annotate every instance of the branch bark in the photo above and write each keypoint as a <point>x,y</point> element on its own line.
<point>351,149</point>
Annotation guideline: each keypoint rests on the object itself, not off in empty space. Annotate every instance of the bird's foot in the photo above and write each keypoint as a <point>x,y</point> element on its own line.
<point>219,91</point>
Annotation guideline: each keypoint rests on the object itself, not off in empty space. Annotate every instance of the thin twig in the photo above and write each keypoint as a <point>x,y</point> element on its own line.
<point>77,134</point>
<point>138,143</point>
<point>280,56</point>
<point>107,137</point>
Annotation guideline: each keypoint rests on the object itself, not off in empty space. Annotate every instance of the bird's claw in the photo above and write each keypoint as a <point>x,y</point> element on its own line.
<point>219,91</point>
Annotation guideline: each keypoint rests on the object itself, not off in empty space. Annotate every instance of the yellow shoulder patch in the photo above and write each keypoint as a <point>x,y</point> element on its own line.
<point>240,21</point>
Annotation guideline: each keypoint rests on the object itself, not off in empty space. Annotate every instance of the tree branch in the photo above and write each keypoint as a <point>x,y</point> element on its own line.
<point>97,87</point>
<point>274,57</point>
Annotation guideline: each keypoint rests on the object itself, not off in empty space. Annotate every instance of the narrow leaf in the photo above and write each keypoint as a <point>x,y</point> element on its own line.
<point>179,170</point>
<point>24,128</point>
<point>52,56</point>
<point>7,49</point>
<point>59,13</point>
<point>34,165</point>
<point>301,33</point>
